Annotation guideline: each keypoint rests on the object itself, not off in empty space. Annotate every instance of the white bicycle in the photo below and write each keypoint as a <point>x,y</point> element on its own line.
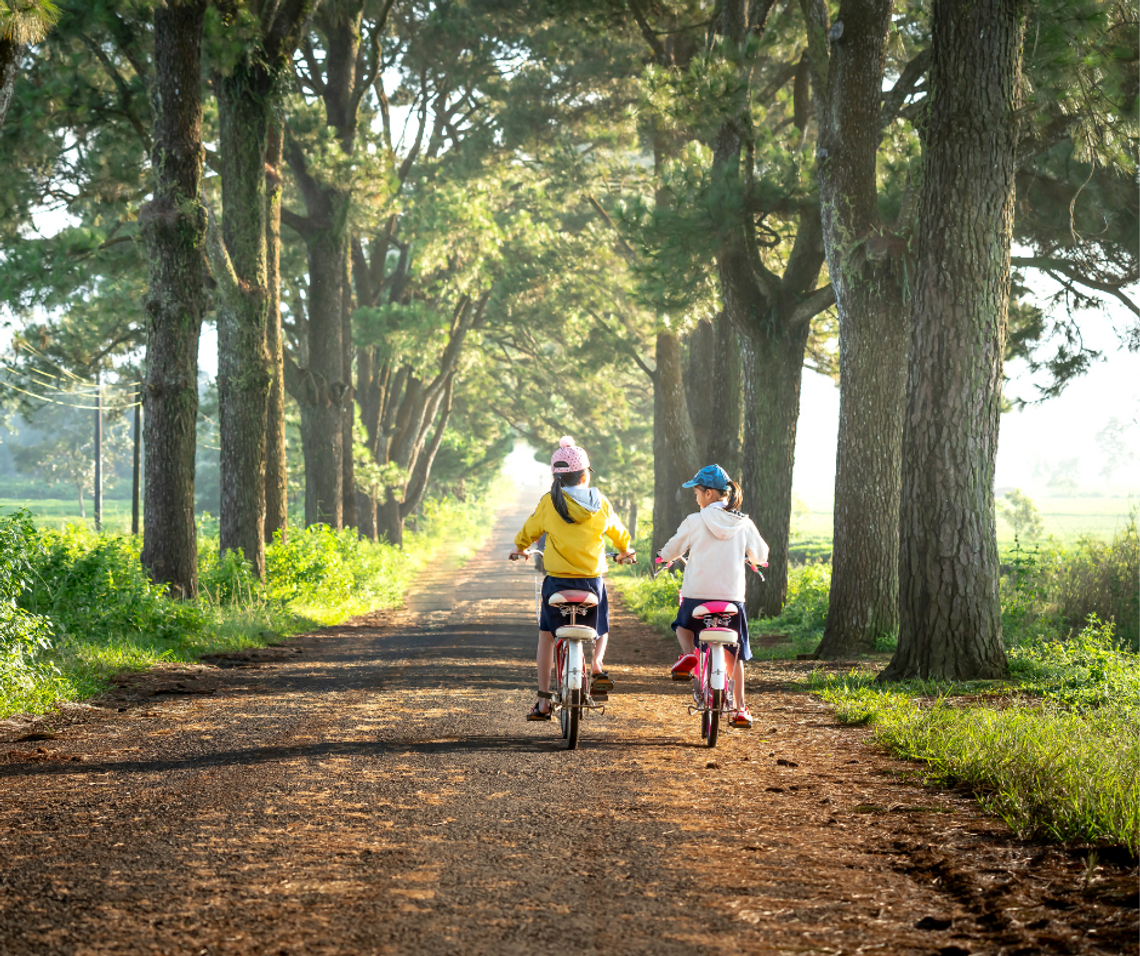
<point>572,696</point>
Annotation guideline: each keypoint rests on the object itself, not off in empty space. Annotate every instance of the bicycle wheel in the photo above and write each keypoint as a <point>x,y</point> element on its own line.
<point>710,720</point>
<point>571,713</point>
<point>571,700</point>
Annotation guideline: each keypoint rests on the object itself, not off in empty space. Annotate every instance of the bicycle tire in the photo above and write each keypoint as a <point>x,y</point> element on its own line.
<point>571,714</point>
<point>711,723</point>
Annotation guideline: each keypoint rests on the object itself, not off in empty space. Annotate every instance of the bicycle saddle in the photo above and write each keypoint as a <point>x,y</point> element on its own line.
<point>585,598</point>
<point>711,607</point>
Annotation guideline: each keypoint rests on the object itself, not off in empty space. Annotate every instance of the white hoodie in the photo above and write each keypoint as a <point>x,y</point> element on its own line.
<point>717,541</point>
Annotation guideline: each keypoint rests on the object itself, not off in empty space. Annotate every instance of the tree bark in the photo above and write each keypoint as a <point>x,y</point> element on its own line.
<point>771,315</point>
<point>276,477</point>
<point>674,445</point>
<point>244,371</point>
<point>10,53</point>
<point>322,414</point>
<point>950,613</point>
<point>867,267</point>
<point>348,480</point>
<point>772,362</point>
<point>174,224</point>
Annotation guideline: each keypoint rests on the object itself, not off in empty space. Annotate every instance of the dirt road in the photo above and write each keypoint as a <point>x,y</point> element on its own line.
<point>374,788</point>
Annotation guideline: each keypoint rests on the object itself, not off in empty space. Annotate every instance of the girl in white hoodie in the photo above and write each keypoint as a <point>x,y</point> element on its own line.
<point>718,539</point>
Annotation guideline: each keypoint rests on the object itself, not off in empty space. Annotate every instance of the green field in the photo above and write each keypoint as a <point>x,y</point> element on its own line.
<point>57,512</point>
<point>1066,519</point>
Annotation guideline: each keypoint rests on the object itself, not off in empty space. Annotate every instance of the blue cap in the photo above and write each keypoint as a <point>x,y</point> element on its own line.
<point>711,476</point>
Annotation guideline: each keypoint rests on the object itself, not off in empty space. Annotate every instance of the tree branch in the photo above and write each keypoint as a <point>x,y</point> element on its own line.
<point>818,301</point>
<point>224,273</point>
<point>895,99</point>
<point>1050,265</point>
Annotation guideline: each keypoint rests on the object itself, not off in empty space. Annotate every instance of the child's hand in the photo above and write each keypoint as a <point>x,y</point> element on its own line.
<point>515,555</point>
<point>627,557</point>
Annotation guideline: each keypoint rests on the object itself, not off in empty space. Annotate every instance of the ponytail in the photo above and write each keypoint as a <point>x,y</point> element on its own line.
<point>557,498</point>
<point>735,497</point>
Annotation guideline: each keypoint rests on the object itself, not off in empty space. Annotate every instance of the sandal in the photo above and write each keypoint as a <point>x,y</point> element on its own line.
<point>601,683</point>
<point>742,719</point>
<point>537,713</point>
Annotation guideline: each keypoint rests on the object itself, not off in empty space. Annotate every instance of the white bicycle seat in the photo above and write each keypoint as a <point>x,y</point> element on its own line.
<point>585,598</point>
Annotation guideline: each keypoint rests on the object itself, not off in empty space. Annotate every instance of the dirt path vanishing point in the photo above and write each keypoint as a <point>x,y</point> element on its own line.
<point>374,788</point>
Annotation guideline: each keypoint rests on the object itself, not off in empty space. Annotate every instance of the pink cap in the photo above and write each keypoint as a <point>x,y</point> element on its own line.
<point>569,457</point>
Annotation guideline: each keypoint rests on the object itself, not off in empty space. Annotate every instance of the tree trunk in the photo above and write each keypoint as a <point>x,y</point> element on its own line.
<point>348,403</point>
<point>950,614</point>
<point>771,315</point>
<point>243,363</point>
<point>174,224</point>
<point>276,478</point>
<point>10,53</point>
<point>773,367</point>
<point>674,445</point>
<point>867,269</point>
<point>389,520</point>
<point>322,414</point>
<point>727,411</point>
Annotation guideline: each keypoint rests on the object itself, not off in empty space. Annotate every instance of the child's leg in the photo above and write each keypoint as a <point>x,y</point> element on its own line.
<point>600,653</point>
<point>738,682</point>
<point>545,661</point>
<point>686,639</point>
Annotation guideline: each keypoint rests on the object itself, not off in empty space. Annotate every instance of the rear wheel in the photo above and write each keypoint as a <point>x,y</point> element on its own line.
<point>710,723</point>
<point>571,712</point>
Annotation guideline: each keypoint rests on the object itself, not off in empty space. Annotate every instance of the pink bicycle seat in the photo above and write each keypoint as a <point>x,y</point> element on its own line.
<point>585,598</point>
<point>714,607</point>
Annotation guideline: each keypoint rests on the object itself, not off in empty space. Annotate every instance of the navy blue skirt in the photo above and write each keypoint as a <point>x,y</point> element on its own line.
<point>550,618</point>
<point>686,620</point>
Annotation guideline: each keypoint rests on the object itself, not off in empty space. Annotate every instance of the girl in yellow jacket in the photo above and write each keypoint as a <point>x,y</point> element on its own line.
<point>575,518</point>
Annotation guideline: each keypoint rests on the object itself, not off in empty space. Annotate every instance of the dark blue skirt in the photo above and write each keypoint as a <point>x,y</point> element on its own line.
<point>686,620</point>
<point>550,618</point>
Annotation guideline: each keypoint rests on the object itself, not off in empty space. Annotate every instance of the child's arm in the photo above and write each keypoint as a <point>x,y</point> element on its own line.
<point>531,531</point>
<point>618,533</point>
<point>678,544</point>
<point>756,548</point>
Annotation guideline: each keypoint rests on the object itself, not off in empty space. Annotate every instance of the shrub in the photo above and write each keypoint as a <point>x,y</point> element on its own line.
<point>1049,591</point>
<point>94,585</point>
<point>23,634</point>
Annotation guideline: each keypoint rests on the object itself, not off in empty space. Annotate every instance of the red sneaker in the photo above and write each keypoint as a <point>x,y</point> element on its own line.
<point>683,669</point>
<point>742,719</point>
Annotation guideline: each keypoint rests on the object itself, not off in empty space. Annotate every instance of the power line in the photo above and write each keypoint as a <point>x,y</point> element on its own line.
<point>52,401</point>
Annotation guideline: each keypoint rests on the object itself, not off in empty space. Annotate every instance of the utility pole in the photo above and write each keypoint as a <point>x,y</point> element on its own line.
<point>98,451</point>
<point>135,471</point>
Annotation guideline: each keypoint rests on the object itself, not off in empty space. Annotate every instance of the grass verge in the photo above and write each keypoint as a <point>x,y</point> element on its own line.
<point>76,608</point>
<point>1055,752</point>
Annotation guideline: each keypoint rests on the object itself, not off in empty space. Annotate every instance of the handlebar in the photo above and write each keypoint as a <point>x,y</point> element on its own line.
<point>664,565</point>
<point>616,555</point>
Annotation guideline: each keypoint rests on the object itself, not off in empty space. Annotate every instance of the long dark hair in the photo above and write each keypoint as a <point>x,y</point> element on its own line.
<point>734,497</point>
<point>557,498</point>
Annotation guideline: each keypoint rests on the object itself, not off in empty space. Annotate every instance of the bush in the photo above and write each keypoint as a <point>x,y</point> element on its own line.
<point>23,634</point>
<point>1050,591</point>
<point>94,586</point>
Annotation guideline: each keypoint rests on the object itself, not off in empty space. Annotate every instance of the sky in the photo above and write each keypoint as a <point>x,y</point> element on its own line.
<point>1031,440</point>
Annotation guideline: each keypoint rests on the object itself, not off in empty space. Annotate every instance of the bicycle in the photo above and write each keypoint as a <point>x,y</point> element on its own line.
<point>573,696</point>
<point>712,687</point>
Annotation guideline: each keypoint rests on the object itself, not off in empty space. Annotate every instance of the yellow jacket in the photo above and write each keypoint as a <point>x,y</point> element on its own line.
<point>574,550</point>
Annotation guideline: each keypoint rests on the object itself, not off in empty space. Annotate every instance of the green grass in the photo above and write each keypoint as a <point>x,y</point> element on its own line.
<point>58,512</point>
<point>104,617</point>
<point>654,600</point>
<point>1054,752</point>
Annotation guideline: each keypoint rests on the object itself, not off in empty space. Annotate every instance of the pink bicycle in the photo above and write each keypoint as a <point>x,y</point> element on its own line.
<point>712,687</point>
